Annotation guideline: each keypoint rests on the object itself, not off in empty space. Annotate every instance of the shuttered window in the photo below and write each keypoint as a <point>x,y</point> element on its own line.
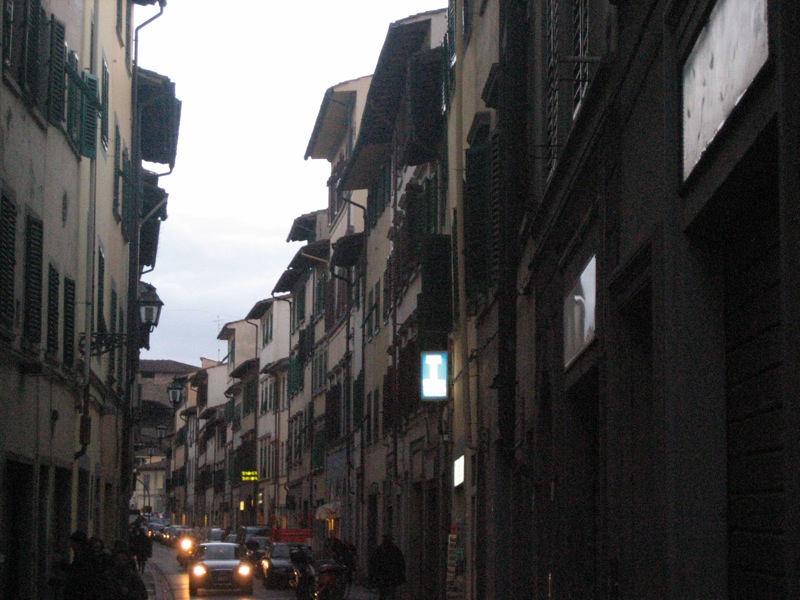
<point>58,54</point>
<point>34,239</point>
<point>101,292</point>
<point>74,99</point>
<point>551,82</point>
<point>89,113</point>
<point>8,236</point>
<point>121,356</point>
<point>53,293</point>
<point>26,48</point>
<point>116,201</point>
<point>477,194</point>
<point>69,323</point>
<point>104,105</point>
<point>113,323</point>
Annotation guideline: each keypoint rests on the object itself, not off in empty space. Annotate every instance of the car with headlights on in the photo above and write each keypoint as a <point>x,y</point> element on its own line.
<point>220,566</point>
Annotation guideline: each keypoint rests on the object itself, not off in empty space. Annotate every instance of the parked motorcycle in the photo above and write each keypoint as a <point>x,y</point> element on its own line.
<point>332,581</point>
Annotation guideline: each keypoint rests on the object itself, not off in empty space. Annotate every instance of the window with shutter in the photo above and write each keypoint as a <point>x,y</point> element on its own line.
<point>477,194</point>
<point>116,200</point>
<point>101,293</point>
<point>89,113</point>
<point>74,99</point>
<point>8,237</point>
<point>104,105</point>
<point>551,82</point>
<point>69,323</point>
<point>121,355</point>
<point>53,292</point>
<point>58,55</point>
<point>34,240</point>
<point>112,311</point>
<point>38,70</point>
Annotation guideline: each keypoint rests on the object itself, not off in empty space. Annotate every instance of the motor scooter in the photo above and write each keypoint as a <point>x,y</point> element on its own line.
<point>332,581</point>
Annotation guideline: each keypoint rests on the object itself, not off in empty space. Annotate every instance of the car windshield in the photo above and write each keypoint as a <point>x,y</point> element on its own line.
<point>219,552</point>
<point>280,551</point>
<point>216,535</point>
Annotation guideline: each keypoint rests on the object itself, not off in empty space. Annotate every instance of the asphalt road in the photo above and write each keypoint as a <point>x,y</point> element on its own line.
<point>172,582</point>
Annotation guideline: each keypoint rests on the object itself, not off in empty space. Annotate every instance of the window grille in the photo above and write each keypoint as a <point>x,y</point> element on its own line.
<point>580,48</point>
<point>551,82</point>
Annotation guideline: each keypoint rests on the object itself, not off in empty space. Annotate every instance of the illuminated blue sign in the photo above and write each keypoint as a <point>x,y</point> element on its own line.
<point>434,375</point>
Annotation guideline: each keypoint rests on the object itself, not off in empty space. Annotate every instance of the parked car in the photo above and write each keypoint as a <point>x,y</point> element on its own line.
<point>220,566</point>
<point>277,567</point>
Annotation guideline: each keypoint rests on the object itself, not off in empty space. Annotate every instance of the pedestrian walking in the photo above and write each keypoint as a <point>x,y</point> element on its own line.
<point>122,581</point>
<point>142,548</point>
<point>387,568</point>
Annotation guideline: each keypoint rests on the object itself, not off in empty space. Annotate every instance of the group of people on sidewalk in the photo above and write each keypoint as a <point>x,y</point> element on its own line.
<point>97,573</point>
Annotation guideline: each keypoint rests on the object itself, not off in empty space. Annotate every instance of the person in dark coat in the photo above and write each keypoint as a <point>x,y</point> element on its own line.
<point>142,548</point>
<point>122,581</point>
<point>100,555</point>
<point>81,575</point>
<point>387,568</point>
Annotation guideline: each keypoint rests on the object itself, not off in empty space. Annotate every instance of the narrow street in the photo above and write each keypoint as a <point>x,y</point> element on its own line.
<point>166,580</point>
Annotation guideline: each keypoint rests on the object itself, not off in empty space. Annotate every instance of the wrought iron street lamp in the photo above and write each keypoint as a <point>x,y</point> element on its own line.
<point>149,314</point>
<point>175,392</point>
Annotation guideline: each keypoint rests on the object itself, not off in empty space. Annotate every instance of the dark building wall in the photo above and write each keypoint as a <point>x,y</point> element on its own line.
<point>661,458</point>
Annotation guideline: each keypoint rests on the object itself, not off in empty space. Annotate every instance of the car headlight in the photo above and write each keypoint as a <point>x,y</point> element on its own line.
<point>244,570</point>
<point>186,544</point>
<point>199,570</point>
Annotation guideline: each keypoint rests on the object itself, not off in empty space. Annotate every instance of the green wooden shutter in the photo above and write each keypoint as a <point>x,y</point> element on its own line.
<point>89,116</point>
<point>115,203</point>
<point>34,240</point>
<point>58,56</point>
<point>32,31</point>
<point>8,231</point>
<point>101,293</point>
<point>104,105</point>
<point>69,323</point>
<point>53,285</point>
<point>74,99</point>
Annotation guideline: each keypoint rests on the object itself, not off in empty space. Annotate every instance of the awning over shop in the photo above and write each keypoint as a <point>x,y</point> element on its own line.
<point>332,510</point>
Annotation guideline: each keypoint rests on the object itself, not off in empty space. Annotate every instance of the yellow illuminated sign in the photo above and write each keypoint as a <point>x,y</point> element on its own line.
<point>249,475</point>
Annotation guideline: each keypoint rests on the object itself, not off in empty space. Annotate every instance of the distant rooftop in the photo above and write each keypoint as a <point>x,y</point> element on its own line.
<point>165,366</point>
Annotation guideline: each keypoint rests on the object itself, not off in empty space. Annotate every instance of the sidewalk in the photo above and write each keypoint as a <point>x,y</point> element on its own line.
<point>155,581</point>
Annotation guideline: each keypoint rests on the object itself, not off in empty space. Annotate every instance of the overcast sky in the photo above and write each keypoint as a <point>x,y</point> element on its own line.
<point>251,75</point>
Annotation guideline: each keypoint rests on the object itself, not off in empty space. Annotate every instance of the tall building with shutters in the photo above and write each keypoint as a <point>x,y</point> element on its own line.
<point>79,221</point>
